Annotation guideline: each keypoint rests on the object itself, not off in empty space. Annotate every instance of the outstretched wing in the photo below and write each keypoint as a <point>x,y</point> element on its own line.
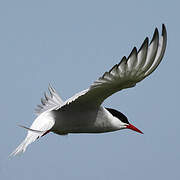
<point>49,102</point>
<point>126,74</point>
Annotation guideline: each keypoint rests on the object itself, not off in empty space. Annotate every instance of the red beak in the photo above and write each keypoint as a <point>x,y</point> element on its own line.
<point>130,126</point>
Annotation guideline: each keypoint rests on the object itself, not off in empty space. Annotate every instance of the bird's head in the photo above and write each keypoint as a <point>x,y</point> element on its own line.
<point>123,122</point>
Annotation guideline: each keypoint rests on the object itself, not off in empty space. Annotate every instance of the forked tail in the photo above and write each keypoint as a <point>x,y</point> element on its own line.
<point>41,126</point>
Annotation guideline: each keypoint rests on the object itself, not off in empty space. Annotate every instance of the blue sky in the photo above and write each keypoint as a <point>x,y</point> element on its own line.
<point>71,44</point>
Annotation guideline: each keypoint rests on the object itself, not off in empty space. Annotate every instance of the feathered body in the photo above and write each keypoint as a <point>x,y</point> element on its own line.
<point>84,113</point>
<point>99,120</point>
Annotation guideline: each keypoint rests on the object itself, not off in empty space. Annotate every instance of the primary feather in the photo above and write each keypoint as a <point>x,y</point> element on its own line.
<point>126,74</point>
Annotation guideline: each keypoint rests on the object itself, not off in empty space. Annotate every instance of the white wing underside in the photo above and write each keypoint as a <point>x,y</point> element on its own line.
<point>124,75</point>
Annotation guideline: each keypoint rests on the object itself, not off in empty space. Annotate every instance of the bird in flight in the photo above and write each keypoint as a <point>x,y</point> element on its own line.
<point>83,112</point>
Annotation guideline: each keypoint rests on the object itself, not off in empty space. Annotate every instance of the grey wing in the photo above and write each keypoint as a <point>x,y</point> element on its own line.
<point>49,102</point>
<point>126,74</point>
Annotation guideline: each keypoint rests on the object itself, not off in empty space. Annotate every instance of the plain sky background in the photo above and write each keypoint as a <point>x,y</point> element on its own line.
<point>71,44</point>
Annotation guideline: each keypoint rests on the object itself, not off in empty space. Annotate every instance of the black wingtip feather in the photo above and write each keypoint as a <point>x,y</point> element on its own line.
<point>45,95</point>
<point>145,43</point>
<point>115,66</point>
<point>164,32</point>
<point>134,51</point>
<point>155,35</point>
<point>123,59</point>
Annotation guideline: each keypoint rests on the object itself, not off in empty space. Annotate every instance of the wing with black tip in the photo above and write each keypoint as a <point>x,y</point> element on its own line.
<point>126,74</point>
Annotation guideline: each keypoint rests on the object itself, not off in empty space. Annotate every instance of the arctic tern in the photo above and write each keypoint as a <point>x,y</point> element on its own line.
<point>83,112</point>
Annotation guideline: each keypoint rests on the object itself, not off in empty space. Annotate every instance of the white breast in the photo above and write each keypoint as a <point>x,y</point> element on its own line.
<point>85,121</point>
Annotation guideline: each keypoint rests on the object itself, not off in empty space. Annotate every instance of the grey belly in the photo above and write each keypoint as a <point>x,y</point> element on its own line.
<point>73,121</point>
